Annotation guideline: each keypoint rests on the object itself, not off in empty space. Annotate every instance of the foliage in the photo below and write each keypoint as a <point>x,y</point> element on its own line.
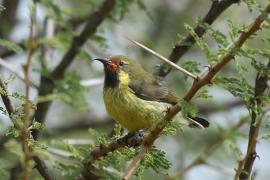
<point>58,27</point>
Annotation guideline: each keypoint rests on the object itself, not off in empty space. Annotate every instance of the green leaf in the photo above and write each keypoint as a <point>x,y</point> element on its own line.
<point>251,4</point>
<point>11,46</point>
<point>233,147</point>
<point>72,90</point>
<point>234,31</point>
<point>13,132</point>
<point>143,7</point>
<point>187,108</point>
<point>211,58</point>
<point>2,8</point>
<point>37,125</point>
<point>191,66</point>
<point>203,94</point>
<point>236,87</point>
<point>99,137</point>
<point>155,159</point>
<point>218,36</point>
<point>101,40</point>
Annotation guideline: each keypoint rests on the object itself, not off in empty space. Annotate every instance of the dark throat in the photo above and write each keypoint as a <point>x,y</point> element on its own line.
<point>111,79</point>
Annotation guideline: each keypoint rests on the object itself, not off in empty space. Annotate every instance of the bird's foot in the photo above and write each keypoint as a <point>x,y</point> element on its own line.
<point>134,138</point>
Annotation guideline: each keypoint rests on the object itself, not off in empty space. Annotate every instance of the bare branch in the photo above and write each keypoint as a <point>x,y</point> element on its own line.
<point>217,8</point>
<point>150,139</point>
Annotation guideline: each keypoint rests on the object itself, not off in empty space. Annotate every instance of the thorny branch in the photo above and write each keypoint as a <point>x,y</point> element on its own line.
<point>46,82</point>
<point>206,79</point>
<point>245,167</point>
<point>217,8</point>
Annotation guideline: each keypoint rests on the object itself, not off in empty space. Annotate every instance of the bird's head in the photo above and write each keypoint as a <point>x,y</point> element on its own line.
<point>114,64</point>
<point>117,68</point>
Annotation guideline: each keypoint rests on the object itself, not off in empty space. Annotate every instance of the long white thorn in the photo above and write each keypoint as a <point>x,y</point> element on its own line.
<point>165,60</point>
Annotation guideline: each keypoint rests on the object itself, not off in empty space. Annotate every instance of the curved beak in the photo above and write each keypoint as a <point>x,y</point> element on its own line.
<point>104,61</point>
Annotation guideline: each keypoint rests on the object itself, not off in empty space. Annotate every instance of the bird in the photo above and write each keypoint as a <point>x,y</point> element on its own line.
<point>134,98</point>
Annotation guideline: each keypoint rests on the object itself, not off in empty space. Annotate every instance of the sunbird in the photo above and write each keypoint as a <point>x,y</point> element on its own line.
<point>134,98</point>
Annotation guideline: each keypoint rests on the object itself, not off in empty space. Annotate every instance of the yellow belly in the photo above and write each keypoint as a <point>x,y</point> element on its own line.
<point>130,111</point>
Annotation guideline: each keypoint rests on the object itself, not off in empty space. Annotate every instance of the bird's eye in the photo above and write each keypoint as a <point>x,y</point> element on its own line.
<point>121,63</point>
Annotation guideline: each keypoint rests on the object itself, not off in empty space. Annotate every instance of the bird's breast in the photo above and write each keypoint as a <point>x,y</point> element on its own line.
<point>130,111</point>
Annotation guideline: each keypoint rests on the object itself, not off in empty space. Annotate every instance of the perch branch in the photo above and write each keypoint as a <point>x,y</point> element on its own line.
<point>217,8</point>
<point>103,150</point>
<point>202,81</point>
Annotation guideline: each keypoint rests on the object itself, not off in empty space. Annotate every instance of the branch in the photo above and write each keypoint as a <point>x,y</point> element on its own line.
<point>20,76</point>
<point>40,165</point>
<point>46,84</point>
<point>260,87</point>
<point>7,102</point>
<point>26,105</point>
<point>202,81</point>
<point>94,20</point>
<point>100,151</point>
<point>8,18</point>
<point>217,8</point>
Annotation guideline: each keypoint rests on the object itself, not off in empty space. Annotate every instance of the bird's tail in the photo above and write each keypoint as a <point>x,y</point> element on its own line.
<point>197,122</point>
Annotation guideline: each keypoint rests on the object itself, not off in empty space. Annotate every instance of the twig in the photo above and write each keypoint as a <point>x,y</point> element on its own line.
<point>7,102</point>
<point>217,8</point>
<point>165,59</point>
<point>60,153</point>
<point>150,139</point>
<point>260,87</point>
<point>9,67</point>
<point>8,18</point>
<point>225,170</point>
<point>27,105</point>
<point>46,84</point>
<point>42,168</point>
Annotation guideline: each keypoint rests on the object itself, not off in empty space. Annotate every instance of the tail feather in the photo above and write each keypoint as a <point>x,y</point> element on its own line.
<point>198,122</point>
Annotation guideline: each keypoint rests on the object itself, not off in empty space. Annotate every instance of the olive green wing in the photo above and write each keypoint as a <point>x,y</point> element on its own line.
<point>152,91</point>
